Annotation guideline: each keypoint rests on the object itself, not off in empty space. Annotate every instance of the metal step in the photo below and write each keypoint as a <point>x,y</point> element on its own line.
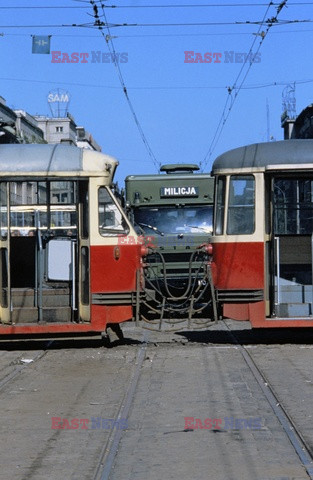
<point>291,310</point>
<point>51,297</point>
<point>50,315</point>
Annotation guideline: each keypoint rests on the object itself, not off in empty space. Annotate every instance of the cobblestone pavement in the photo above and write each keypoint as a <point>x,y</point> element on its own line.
<point>290,374</point>
<point>202,382</point>
<point>78,382</point>
<point>195,375</point>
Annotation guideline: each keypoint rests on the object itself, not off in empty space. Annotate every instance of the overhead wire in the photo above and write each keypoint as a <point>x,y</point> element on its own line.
<point>233,91</point>
<point>200,24</point>
<point>110,44</point>
<point>228,105</point>
<point>177,87</point>
<point>204,34</point>
<point>268,22</point>
<point>215,5</point>
<point>230,100</point>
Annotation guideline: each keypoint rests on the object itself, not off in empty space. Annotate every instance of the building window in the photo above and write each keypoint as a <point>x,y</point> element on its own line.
<point>59,129</point>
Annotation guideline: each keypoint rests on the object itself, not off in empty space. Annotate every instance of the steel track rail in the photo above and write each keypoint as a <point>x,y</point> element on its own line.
<point>22,367</point>
<point>281,414</point>
<point>110,449</point>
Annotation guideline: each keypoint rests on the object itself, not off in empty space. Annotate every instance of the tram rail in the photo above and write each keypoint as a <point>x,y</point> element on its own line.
<point>228,367</point>
<point>299,444</point>
<point>21,366</point>
<point>110,448</point>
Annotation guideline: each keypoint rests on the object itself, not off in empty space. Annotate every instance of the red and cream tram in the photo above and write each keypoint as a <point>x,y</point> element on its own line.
<point>63,266</point>
<point>263,233</point>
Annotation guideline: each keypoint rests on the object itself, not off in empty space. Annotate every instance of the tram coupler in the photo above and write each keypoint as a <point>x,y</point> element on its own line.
<point>113,333</point>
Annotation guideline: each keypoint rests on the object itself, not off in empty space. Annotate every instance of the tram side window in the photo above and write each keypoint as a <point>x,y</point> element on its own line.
<point>54,201</point>
<point>111,220</point>
<point>293,206</point>
<point>241,205</point>
<point>62,192</point>
<point>63,211</point>
<point>84,211</point>
<point>220,206</point>
<point>3,211</point>
<point>25,198</point>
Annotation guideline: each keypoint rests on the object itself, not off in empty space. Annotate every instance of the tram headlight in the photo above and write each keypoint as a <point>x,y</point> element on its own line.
<point>207,247</point>
<point>144,251</point>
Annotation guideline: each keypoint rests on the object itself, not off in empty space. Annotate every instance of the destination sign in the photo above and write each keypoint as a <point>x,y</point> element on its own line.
<point>179,191</point>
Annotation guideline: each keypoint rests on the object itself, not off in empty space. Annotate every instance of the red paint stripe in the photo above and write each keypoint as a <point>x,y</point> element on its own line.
<point>109,274</point>
<point>239,265</point>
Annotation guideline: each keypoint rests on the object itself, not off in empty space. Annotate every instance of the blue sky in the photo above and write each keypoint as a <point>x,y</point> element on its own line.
<point>178,104</point>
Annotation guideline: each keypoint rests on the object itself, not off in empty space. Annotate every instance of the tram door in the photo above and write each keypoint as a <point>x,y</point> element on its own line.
<point>292,209</point>
<point>5,293</point>
<point>38,251</point>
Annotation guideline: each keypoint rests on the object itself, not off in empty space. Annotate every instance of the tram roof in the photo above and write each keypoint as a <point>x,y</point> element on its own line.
<point>281,155</point>
<point>50,160</point>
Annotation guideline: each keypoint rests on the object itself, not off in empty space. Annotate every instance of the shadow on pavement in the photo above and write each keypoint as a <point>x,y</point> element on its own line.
<point>25,343</point>
<point>271,336</point>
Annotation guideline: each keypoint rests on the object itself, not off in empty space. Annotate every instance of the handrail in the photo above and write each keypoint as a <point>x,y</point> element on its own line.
<point>39,276</point>
<point>73,275</point>
<point>277,251</point>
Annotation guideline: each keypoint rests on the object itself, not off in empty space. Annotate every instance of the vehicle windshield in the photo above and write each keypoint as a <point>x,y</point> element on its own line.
<point>195,219</point>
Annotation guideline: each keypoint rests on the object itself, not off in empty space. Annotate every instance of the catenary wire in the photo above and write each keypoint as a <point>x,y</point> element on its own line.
<point>230,100</point>
<point>284,32</point>
<point>182,24</point>
<point>207,5</point>
<point>215,5</point>
<point>177,87</point>
<point>110,44</point>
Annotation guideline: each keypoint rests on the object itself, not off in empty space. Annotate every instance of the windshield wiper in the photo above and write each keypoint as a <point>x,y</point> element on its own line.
<point>205,229</point>
<point>155,229</point>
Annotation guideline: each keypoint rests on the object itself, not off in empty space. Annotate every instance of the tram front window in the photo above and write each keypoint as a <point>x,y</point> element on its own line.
<point>241,205</point>
<point>220,205</point>
<point>167,220</point>
<point>111,220</point>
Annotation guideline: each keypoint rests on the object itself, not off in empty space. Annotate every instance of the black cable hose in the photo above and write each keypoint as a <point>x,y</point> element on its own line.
<point>193,286</point>
<point>161,294</point>
<point>154,253</point>
<point>174,298</point>
<point>170,304</point>
<point>196,300</point>
<point>180,308</point>
<point>189,276</point>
